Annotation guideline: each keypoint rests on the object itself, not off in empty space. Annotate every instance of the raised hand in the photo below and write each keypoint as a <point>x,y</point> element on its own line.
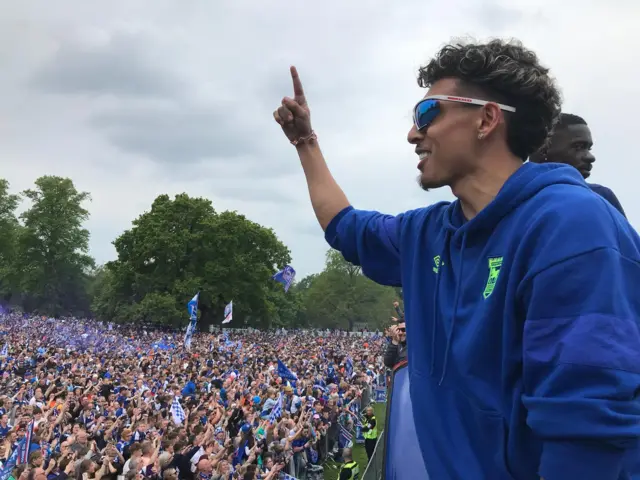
<point>293,114</point>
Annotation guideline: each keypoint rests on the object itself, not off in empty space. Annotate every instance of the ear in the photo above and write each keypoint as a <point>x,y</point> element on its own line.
<point>491,116</point>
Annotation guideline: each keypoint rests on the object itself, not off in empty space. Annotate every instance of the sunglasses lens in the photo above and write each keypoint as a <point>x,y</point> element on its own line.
<point>425,112</point>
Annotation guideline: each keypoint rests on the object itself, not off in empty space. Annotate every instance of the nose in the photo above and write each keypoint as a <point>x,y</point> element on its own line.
<point>414,137</point>
<point>589,157</point>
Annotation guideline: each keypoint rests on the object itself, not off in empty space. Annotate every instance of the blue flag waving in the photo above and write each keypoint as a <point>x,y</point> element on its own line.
<point>286,276</point>
<point>192,306</point>
<point>285,373</point>
<point>11,462</point>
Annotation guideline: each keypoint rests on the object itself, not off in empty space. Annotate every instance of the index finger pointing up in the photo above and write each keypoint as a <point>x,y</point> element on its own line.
<point>297,84</point>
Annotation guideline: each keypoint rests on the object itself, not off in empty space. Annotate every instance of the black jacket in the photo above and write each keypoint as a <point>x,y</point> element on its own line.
<point>395,354</point>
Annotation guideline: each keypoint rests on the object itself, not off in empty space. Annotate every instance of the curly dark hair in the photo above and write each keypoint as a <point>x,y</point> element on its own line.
<point>506,72</point>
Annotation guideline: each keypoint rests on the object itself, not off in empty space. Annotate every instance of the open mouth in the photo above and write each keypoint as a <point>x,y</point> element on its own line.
<point>423,157</point>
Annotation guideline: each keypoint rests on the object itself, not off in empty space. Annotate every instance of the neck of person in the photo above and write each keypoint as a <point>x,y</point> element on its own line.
<point>479,187</point>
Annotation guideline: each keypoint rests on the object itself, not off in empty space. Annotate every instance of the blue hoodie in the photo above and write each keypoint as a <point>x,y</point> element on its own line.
<point>522,327</point>
<point>608,194</point>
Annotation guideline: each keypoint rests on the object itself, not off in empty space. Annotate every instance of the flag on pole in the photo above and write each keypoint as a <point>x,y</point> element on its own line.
<point>228,312</point>
<point>286,276</point>
<point>188,335</point>
<point>192,306</point>
<point>285,373</point>
<point>11,462</point>
<point>23,456</point>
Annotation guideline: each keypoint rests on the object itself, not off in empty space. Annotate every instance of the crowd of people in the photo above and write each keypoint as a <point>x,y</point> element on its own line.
<point>91,401</point>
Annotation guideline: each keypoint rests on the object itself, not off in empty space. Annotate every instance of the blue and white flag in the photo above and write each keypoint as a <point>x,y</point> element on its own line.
<point>11,462</point>
<point>345,438</point>
<point>348,367</point>
<point>23,455</point>
<point>276,411</point>
<point>5,350</point>
<point>228,312</point>
<point>286,476</point>
<point>354,407</point>
<point>188,335</point>
<point>285,373</point>
<point>192,307</point>
<point>286,276</point>
<point>177,412</point>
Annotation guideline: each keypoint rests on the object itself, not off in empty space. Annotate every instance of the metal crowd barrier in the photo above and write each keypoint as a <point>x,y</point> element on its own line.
<point>375,468</point>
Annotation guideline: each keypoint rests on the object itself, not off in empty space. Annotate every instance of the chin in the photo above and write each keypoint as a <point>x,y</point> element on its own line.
<point>429,183</point>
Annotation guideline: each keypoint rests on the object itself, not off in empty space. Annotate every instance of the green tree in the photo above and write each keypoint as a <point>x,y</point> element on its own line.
<point>9,231</point>
<point>342,296</point>
<point>182,246</point>
<point>52,249</point>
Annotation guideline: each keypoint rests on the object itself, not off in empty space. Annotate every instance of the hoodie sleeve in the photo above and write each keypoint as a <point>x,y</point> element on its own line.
<point>581,361</point>
<point>368,239</point>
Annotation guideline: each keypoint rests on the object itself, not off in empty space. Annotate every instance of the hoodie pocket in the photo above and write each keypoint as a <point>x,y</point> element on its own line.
<point>491,446</point>
<point>464,442</point>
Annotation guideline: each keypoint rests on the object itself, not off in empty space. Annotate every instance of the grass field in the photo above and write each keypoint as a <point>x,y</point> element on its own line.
<point>359,455</point>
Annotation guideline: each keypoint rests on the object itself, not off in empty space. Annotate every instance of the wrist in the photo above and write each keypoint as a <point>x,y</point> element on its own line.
<point>311,139</point>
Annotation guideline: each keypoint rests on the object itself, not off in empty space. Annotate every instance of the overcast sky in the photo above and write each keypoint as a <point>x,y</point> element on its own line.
<point>142,97</point>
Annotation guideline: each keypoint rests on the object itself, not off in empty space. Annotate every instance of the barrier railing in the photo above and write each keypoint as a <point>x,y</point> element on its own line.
<point>375,468</point>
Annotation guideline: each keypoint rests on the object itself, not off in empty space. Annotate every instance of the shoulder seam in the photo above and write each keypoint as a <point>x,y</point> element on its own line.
<point>531,276</point>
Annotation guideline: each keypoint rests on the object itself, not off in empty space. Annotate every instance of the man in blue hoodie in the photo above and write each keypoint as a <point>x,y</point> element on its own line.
<point>571,143</point>
<point>521,295</point>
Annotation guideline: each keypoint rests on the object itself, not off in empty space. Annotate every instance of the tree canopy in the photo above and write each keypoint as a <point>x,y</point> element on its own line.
<point>45,261</point>
<point>181,246</point>
<point>341,296</point>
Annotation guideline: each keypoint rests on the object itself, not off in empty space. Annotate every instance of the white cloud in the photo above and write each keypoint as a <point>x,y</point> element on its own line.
<point>134,99</point>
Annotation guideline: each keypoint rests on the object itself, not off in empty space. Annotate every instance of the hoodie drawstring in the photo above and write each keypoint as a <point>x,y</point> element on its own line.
<point>436,291</point>
<point>456,300</point>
